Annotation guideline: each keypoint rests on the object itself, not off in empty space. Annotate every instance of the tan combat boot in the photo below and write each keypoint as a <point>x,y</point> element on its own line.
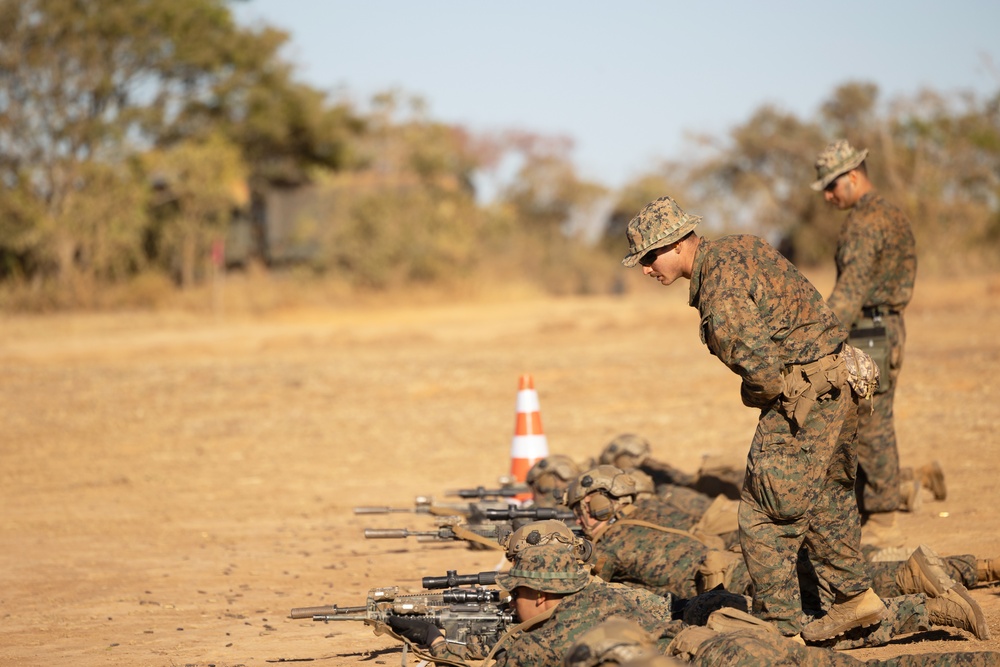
<point>931,477</point>
<point>987,570</point>
<point>862,610</point>
<point>924,572</point>
<point>910,499</point>
<point>880,530</point>
<point>957,609</point>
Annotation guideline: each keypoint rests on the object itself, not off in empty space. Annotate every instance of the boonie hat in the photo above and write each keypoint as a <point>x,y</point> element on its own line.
<point>551,568</point>
<point>836,159</point>
<point>658,224</point>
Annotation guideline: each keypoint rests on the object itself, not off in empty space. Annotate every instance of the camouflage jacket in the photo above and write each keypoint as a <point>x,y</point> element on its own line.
<point>876,260</point>
<point>546,645</point>
<point>758,313</point>
<point>666,563</point>
<point>752,648</point>
<point>666,511</point>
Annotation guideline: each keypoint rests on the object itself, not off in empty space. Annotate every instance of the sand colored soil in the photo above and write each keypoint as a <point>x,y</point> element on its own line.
<point>172,486</point>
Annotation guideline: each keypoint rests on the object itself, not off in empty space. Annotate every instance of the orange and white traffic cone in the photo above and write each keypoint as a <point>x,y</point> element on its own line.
<point>529,444</point>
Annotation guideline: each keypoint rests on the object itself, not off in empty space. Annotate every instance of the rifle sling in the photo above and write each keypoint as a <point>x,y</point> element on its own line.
<point>421,653</point>
<point>517,629</point>
<point>664,529</point>
<point>469,536</point>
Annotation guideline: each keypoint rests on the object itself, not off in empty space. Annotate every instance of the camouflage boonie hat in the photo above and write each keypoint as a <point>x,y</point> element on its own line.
<point>551,568</point>
<point>836,159</point>
<point>615,641</point>
<point>658,224</point>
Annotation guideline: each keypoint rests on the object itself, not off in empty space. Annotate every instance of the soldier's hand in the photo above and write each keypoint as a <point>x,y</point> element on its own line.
<point>420,632</point>
<point>753,397</point>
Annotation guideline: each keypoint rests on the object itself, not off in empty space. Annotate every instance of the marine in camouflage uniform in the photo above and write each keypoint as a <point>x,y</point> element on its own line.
<point>620,641</point>
<point>752,648</point>
<point>876,269</point>
<point>637,543</point>
<point>581,603</point>
<point>628,451</point>
<point>769,325</point>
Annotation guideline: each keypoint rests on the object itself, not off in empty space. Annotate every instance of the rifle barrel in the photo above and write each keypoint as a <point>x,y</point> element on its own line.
<point>382,510</point>
<point>387,533</point>
<point>326,610</point>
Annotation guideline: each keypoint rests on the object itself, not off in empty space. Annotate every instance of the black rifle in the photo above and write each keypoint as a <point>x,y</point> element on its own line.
<point>531,513</point>
<point>453,580</point>
<point>481,492</point>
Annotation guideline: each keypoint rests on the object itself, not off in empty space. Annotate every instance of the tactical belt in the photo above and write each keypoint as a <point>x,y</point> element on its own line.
<point>878,311</point>
<point>871,332</point>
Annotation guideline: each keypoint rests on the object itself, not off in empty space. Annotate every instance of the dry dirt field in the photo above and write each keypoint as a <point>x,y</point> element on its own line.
<point>173,485</point>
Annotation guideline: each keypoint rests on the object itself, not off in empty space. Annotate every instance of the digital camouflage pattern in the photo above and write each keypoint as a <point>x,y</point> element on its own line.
<point>676,511</point>
<point>961,568</point>
<point>663,562</point>
<point>552,567</point>
<point>682,499</point>
<point>658,224</point>
<point>759,315</point>
<point>906,614</point>
<point>876,268</point>
<point>836,159</point>
<point>547,644</point>
<point>876,260</point>
<point>752,648</point>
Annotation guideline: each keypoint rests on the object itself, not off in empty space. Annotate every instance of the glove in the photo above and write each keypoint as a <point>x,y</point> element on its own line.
<point>754,397</point>
<point>420,632</point>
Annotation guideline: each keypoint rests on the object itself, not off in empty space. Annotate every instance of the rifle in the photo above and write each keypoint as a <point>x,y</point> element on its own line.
<point>474,617</point>
<point>481,492</point>
<point>485,535</point>
<point>453,580</point>
<point>474,512</point>
<point>531,513</point>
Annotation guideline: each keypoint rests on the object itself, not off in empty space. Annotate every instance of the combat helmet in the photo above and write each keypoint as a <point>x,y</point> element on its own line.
<point>550,476</point>
<point>626,451</point>
<point>544,532</point>
<point>613,481</point>
<point>614,641</point>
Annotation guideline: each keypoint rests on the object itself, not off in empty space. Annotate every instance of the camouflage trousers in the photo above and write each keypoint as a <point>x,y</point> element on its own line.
<point>878,456</point>
<point>907,614</point>
<point>799,492</point>
<point>751,648</point>
<point>960,568</point>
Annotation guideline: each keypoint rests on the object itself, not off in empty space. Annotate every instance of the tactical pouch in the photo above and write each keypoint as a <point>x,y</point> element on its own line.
<point>874,341</point>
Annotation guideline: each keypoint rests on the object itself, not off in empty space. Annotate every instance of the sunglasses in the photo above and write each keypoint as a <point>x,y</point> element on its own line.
<point>650,257</point>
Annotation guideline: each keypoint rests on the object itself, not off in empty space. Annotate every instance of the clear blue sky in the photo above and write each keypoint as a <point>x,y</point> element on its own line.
<point>627,79</point>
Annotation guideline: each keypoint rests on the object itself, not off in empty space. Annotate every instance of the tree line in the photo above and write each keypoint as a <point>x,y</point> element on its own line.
<point>134,135</point>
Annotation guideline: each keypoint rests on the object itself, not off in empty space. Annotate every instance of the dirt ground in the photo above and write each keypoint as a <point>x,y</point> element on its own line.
<point>173,485</point>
